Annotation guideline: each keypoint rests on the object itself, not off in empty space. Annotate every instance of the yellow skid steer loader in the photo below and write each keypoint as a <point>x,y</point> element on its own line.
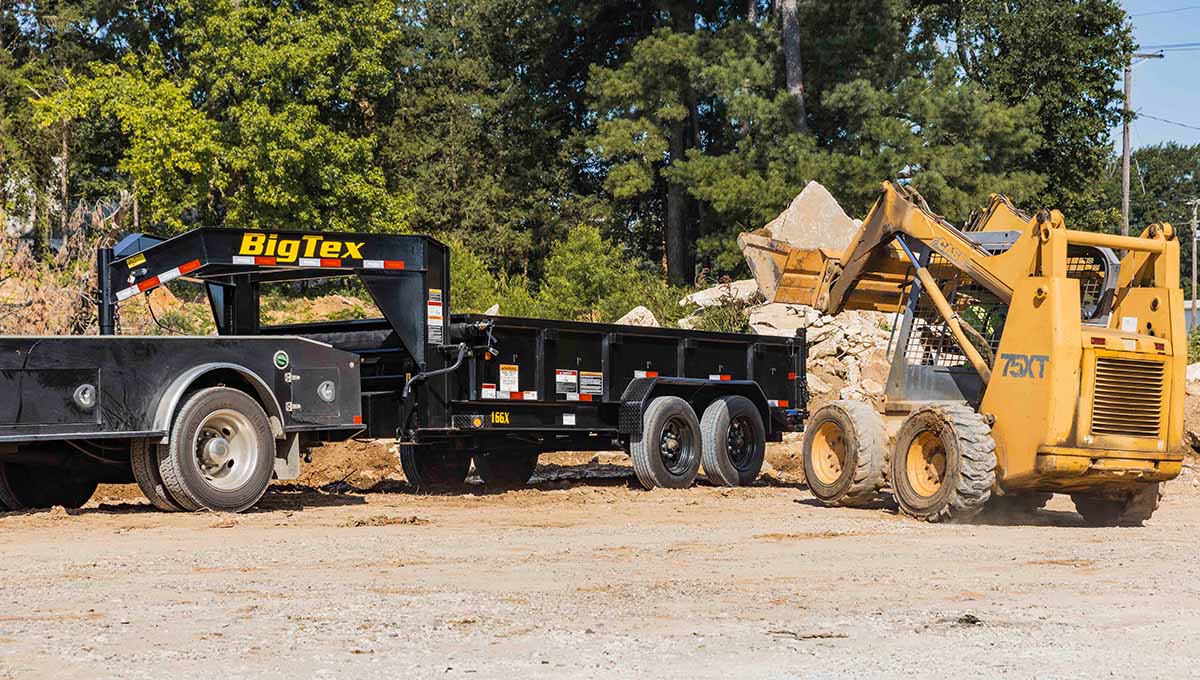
<point>1028,359</point>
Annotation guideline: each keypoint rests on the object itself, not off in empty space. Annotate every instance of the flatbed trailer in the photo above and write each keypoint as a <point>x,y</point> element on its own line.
<point>206,422</point>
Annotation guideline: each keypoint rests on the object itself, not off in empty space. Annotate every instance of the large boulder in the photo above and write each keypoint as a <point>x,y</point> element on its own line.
<point>813,220</point>
<point>639,316</point>
<point>741,291</point>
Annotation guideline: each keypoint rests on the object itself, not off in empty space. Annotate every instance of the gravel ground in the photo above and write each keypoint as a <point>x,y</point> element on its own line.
<point>585,575</point>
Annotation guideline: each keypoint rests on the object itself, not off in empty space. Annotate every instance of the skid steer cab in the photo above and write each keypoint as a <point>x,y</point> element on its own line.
<point>1027,359</point>
<point>206,422</point>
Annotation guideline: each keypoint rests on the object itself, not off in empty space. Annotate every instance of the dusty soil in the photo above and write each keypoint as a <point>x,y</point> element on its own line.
<point>586,575</point>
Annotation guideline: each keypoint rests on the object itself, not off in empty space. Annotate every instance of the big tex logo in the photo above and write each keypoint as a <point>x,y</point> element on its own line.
<point>289,249</point>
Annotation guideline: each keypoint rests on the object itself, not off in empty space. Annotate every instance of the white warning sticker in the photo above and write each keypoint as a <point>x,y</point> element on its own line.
<point>566,381</point>
<point>568,419</point>
<point>591,382</point>
<point>1129,324</point>
<point>487,391</point>
<point>435,315</point>
<point>509,380</point>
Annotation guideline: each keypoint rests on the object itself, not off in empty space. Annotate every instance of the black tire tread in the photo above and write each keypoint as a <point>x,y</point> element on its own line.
<point>1132,510</point>
<point>870,458</point>
<point>143,456</point>
<point>505,470</point>
<point>977,451</point>
<point>719,470</point>
<point>641,450</point>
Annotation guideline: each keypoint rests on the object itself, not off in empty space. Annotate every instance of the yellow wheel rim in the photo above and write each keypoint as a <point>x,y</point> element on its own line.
<point>829,453</point>
<point>926,464</point>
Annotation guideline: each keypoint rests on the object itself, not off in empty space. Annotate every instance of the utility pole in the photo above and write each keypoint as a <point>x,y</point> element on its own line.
<point>1192,320</point>
<point>1125,136</point>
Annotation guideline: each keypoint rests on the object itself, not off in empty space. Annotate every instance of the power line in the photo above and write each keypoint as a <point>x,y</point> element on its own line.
<point>1170,46</point>
<point>1165,11</point>
<point>1169,121</point>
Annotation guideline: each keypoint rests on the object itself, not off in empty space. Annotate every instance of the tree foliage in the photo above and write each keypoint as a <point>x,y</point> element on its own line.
<point>523,131</point>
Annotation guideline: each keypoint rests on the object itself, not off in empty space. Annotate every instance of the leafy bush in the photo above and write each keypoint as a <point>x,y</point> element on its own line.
<point>589,278</point>
<point>472,286</point>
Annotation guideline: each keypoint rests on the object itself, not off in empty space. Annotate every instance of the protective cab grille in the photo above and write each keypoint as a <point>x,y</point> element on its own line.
<point>1129,397</point>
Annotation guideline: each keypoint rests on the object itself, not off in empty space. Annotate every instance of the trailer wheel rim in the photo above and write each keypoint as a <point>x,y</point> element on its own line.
<point>925,465</point>
<point>739,442</point>
<point>226,448</point>
<point>674,444</point>
<point>829,452</point>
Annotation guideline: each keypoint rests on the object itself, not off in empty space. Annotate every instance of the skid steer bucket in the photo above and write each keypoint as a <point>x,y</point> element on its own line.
<point>793,275</point>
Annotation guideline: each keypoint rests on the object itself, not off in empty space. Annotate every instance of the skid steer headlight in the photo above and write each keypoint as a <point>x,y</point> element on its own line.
<point>327,391</point>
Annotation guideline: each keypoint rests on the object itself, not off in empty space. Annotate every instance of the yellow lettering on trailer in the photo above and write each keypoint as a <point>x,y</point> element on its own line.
<point>286,249</point>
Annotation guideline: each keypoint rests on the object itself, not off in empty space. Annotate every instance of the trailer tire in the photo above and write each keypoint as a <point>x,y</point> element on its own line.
<point>23,487</point>
<point>668,453</point>
<point>944,463</point>
<point>505,470</point>
<point>143,455</point>
<point>1127,510</point>
<point>845,454</point>
<point>734,441</point>
<point>231,433</point>
<point>428,469</point>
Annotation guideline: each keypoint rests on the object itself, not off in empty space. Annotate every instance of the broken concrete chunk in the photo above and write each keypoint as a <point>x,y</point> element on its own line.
<point>813,220</point>
<point>639,316</point>
<point>741,291</point>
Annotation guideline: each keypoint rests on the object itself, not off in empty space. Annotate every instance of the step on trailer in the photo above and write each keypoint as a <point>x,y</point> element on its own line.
<point>206,422</point>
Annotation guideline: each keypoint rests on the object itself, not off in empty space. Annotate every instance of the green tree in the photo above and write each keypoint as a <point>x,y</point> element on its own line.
<point>1067,56</point>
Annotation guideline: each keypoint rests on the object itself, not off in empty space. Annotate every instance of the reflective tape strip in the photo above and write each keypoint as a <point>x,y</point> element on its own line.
<point>645,374</point>
<point>310,262</point>
<point>330,262</point>
<point>778,403</point>
<point>393,264</point>
<point>126,293</point>
<point>243,259</point>
<point>720,377</point>
<point>372,264</point>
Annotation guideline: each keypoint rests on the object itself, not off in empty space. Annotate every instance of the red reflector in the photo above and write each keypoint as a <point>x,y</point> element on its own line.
<point>1098,341</point>
<point>149,283</point>
<point>189,267</point>
<point>393,264</point>
<point>1162,347</point>
<point>585,397</point>
<point>264,260</point>
<point>516,396</point>
<point>782,403</point>
<point>330,262</point>
<point>651,374</point>
<point>358,420</point>
<point>726,377</point>
<point>791,376</point>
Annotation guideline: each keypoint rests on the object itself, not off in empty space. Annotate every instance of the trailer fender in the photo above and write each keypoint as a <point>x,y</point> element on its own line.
<point>170,400</point>
<point>699,393</point>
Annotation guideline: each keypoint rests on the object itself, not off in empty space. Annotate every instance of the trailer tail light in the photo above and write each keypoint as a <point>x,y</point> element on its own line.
<point>792,375</point>
<point>358,420</point>
<point>1099,341</point>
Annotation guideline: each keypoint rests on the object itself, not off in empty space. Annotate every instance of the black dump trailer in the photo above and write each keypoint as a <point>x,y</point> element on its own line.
<point>206,422</point>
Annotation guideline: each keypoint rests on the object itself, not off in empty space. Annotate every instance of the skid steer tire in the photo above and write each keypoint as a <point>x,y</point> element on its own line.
<point>1126,510</point>
<point>24,487</point>
<point>429,469</point>
<point>143,456</point>
<point>944,463</point>
<point>734,441</point>
<point>845,454</point>
<point>221,454</point>
<point>668,452</point>
<point>505,471</point>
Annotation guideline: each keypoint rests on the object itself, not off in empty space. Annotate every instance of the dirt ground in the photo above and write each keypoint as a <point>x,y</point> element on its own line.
<point>586,575</point>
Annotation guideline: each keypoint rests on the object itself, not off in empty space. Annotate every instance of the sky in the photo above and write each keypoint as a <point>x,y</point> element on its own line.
<point>1167,88</point>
